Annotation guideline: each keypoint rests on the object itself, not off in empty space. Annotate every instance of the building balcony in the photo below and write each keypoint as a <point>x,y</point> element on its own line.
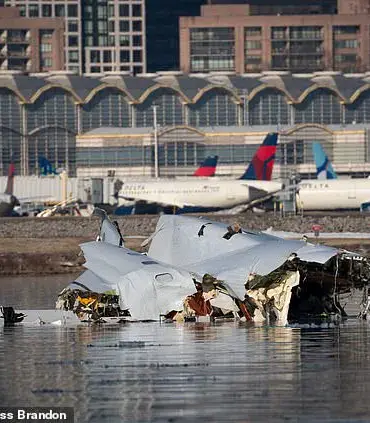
<point>297,53</point>
<point>18,67</point>
<point>17,40</point>
<point>318,52</point>
<point>18,54</point>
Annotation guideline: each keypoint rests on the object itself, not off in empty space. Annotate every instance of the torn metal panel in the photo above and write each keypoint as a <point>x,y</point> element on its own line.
<point>273,301</point>
<point>110,262</point>
<point>147,288</point>
<point>234,268</point>
<point>316,253</point>
<point>154,291</point>
<point>183,240</point>
<point>89,281</point>
<point>109,231</point>
<point>259,260</point>
<point>200,246</point>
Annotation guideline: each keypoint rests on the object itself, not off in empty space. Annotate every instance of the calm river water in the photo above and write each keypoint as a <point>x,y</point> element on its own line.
<point>151,372</point>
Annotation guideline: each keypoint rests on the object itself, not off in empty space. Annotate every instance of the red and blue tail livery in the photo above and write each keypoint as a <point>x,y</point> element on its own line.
<point>260,168</point>
<point>208,167</point>
<point>10,182</point>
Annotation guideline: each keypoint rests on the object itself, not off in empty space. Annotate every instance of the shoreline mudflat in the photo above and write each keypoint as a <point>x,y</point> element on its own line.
<point>43,256</point>
<point>51,245</point>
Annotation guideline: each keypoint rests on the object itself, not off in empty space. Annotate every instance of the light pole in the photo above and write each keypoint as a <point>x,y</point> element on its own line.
<point>156,170</point>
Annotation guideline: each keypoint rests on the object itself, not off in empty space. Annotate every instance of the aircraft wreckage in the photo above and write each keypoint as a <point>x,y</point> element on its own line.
<point>195,267</point>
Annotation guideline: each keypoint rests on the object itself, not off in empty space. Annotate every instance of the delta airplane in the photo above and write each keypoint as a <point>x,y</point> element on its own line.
<point>206,169</point>
<point>199,195</point>
<point>328,192</point>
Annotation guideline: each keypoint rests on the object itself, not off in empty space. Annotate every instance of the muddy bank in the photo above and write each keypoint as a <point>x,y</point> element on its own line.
<point>39,263</point>
<point>32,256</point>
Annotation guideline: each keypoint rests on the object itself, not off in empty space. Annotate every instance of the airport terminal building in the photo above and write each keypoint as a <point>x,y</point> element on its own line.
<point>117,125</point>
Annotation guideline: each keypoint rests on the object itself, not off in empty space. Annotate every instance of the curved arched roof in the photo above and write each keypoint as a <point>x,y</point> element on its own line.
<point>316,87</point>
<point>190,87</point>
<point>156,87</point>
<point>23,86</point>
<point>104,86</point>
<point>51,86</point>
<point>49,128</point>
<point>79,85</point>
<point>269,86</point>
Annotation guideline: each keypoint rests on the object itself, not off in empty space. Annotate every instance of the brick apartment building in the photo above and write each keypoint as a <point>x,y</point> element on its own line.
<point>99,36</point>
<point>30,45</point>
<point>260,36</point>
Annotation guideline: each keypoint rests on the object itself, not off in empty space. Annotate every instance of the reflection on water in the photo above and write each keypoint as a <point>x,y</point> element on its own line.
<point>224,372</point>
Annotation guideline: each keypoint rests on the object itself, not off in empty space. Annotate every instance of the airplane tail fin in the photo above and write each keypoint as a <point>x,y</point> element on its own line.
<point>260,168</point>
<point>46,168</point>
<point>324,169</point>
<point>10,183</point>
<point>207,167</point>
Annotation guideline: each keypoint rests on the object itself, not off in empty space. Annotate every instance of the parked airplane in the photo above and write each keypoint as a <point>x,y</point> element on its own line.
<point>334,194</point>
<point>328,192</point>
<point>209,195</point>
<point>324,169</point>
<point>7,200</point>
<point>206,169</point>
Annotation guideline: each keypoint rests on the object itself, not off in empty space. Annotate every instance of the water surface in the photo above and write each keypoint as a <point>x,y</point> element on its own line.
<point>151,372</point>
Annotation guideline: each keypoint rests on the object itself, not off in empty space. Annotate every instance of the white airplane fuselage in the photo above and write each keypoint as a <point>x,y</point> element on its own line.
<point>204,193</point>
<point>333,194</point>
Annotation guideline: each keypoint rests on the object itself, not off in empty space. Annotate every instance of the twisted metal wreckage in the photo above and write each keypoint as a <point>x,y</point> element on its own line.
<point>196,267</point>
